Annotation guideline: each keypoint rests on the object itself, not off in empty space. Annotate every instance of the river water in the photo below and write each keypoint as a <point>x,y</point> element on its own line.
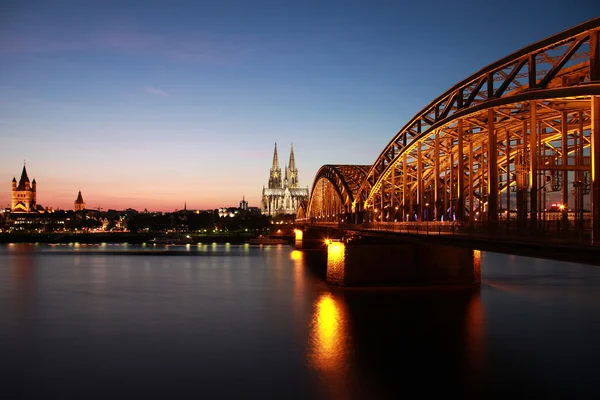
<point>224,321</point>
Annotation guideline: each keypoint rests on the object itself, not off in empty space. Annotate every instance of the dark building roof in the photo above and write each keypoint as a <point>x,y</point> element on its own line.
<point>24,179</point>
<point>79,198</point>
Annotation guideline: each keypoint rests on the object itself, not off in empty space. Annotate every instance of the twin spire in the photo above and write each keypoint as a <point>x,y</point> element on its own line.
<point>291,172</point>
<point>292,162</point>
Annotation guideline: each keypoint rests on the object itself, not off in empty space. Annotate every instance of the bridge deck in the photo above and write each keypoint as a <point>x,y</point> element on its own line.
<point>546,243</point>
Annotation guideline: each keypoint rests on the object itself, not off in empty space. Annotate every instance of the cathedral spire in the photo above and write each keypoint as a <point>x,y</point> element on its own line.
<point>293,171</point>
<point>292,163</point>
<point>275,175</point>
<point>275,158</point>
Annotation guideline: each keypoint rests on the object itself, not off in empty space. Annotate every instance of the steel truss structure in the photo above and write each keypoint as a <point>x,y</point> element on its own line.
<point>490,147</point>
<point>333,191</point>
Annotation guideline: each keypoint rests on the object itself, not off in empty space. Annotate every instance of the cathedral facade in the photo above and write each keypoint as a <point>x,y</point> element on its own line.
<point>24,195</point>
<point>283,194</point>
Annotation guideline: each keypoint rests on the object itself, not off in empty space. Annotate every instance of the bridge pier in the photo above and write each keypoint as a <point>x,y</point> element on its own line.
<point>314,239</point>
<point>361,263</point>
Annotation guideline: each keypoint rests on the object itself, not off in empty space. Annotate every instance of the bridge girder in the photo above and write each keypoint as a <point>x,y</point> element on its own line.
<point>333,191</point>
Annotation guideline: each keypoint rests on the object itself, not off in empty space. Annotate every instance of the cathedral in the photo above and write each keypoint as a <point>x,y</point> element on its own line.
<point>283,194</point>
<point>24,195</point>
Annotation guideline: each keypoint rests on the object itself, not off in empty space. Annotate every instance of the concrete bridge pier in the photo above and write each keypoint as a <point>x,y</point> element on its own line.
<point>363,263</point>
<point>314,239</point>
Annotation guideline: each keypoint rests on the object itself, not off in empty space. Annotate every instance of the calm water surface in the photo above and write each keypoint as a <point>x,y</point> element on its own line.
<point>227,321</point>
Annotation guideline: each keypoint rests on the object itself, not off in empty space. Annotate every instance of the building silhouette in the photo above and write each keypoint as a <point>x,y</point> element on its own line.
<point>243,204</point>
<point>283,194</point>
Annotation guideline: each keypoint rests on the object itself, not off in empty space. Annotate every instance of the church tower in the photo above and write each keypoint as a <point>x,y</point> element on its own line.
<point>79,204</point>
<point>275,173</point>
<point>24,195</point>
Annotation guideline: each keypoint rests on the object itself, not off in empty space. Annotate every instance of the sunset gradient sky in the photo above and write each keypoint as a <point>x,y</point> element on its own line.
<point>147,104</point>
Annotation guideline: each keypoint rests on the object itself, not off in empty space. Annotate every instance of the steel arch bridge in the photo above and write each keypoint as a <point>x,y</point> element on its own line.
<point>490,148</point>
<point>334,192</point>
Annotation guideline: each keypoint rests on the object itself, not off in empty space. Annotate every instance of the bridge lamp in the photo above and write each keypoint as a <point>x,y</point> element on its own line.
<point>561,207</point>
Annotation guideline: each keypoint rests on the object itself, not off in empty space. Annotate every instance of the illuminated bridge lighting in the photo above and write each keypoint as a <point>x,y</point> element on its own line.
<point>504,138</point>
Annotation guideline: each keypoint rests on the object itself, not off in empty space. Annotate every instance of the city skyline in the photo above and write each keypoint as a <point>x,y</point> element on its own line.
<point>154,107</point>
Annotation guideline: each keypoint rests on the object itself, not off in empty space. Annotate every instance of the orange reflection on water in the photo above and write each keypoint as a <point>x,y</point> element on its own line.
<point>475,332</point>
<point>329,344</point>
<point>296,255</point>
<point>21,262</point>
<point>476,266</point>
<point>299,282</point>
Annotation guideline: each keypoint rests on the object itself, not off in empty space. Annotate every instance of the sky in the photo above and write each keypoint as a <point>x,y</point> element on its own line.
<point>153,104</point>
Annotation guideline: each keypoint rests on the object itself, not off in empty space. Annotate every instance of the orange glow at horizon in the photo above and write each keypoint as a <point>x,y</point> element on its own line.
<point>159,201</point>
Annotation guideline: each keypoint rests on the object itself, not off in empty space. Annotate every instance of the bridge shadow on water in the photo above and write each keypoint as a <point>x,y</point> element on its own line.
<point>384,342</point>
<point>388,342</point>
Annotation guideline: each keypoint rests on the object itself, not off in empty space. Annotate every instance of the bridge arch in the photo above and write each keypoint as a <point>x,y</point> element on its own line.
<point>504,138</point>
<point>302,211</point>
<point>333,192</point>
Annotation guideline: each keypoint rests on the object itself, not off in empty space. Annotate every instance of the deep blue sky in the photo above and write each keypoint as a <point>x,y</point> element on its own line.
<point>148,104</point>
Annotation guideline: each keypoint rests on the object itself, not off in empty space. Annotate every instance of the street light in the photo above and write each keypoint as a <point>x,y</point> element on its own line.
<point>564,220</point>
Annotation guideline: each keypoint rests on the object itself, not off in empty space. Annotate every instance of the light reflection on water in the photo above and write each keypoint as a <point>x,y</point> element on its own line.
<point>329,344</point>
<point>256,319</point>
<point>329,347</point>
